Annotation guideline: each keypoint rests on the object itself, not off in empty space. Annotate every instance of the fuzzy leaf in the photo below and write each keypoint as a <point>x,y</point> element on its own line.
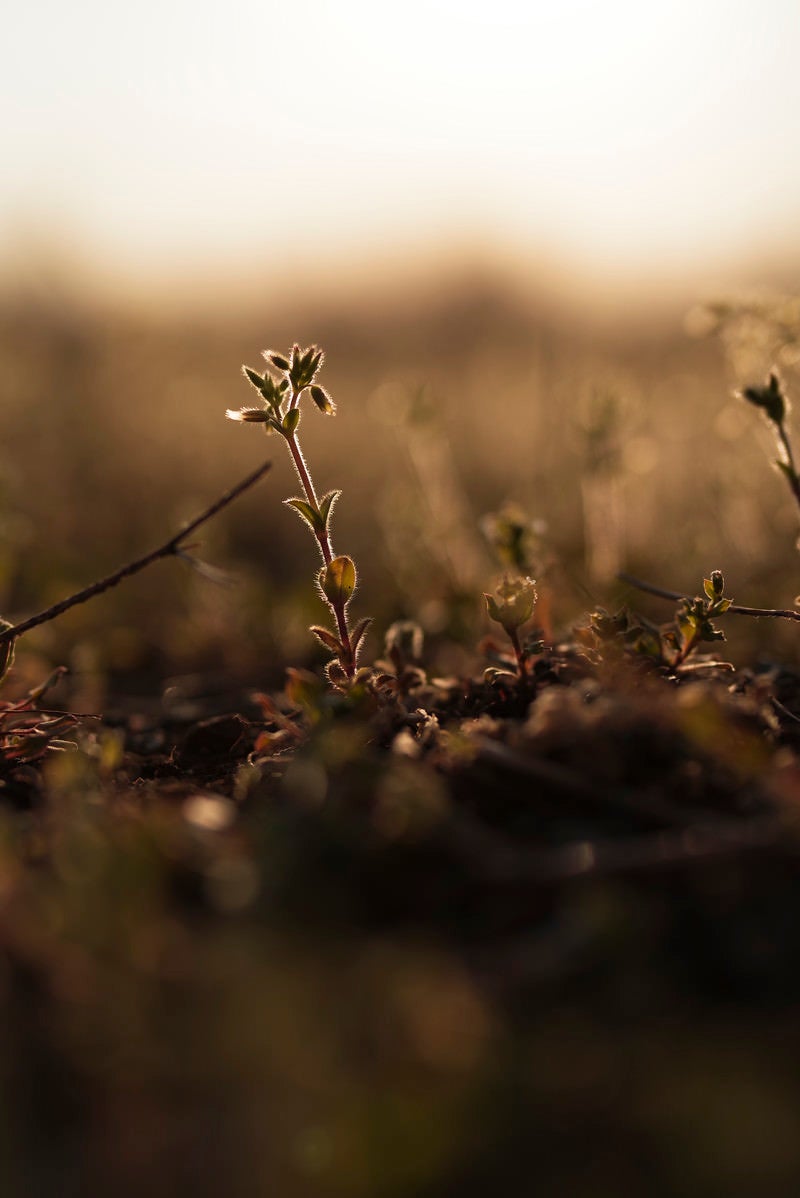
<point>306,511</point>
<point>253,377</point>
<point>328,639</point>
<point>358,632</point>
<point>291,421</point>
<point>337,676</point>
<point>326,505</point>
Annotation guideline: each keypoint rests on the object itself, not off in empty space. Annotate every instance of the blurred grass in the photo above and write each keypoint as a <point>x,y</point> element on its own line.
<point>625,440</point>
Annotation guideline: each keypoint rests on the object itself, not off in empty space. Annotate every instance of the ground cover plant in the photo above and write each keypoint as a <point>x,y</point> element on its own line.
<point>388,930</point>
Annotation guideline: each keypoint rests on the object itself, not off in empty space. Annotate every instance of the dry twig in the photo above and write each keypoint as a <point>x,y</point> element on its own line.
<point>174,547</point>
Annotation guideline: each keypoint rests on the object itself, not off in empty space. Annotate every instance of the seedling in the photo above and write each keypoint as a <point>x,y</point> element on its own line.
<point>288,377</point>
<point>692,622</point>
<point>772,401</point>
<point>668,646</point>
<point>512,606</point>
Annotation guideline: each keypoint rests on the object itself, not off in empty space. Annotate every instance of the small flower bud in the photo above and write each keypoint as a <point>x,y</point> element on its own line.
<point>338,580</point>
<point>323,400</point>
<point>277,360</point>
<point>248,415</point>
<point>513,603</point>
<point>770,397</point>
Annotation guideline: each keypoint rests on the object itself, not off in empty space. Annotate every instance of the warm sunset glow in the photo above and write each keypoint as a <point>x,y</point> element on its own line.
<point>159,137</point>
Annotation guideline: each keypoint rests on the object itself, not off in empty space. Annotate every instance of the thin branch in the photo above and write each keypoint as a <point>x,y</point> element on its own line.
<point>735,608</point>
<point>171,548</point>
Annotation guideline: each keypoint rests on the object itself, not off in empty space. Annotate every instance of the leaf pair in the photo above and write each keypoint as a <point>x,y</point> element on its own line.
<point>317,519</point>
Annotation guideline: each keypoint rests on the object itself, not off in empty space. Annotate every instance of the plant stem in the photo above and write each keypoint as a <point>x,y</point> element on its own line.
<point>735,608</point>
<point>311,495</point>
<point>791,476</point>
<point>324,542</point>
<point>522,665</point>
<point>170,548</point>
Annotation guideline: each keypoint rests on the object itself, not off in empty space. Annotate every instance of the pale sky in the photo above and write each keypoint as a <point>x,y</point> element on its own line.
<point>168,134</point>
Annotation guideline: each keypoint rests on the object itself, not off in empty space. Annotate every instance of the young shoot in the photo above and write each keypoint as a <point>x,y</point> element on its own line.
<point>287,379</point>
<point>511,606</point>
<point>773,402</point>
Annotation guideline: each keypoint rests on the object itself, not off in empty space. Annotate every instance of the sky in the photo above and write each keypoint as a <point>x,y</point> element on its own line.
<point>172,138</point>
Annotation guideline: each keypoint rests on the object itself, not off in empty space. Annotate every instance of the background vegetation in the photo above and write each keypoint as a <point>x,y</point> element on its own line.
<point>625,442</point>
<point>223,973</point>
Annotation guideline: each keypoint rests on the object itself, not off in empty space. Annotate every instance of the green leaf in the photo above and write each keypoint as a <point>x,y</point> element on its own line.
<point>326,505</point>
<point>328,639</point>
<point>253,377</point>
<point>708,587</point>
<point>306,511</point>
<point>493,608</point>
<point>338,580</point>
<point>290,421</point>
<point>687,626</point>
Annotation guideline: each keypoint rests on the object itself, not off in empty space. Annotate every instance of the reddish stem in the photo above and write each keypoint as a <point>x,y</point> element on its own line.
<point>325,547</point>
<point>522,665</point>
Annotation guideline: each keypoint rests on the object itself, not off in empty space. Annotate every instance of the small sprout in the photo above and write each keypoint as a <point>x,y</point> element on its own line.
<point>770,398</point>
<point>513,602</point>
<point>773,402</point>
<point>714,586</point>
<point>511,606</point>
<point>338,580</point>
<point>298,371</point>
